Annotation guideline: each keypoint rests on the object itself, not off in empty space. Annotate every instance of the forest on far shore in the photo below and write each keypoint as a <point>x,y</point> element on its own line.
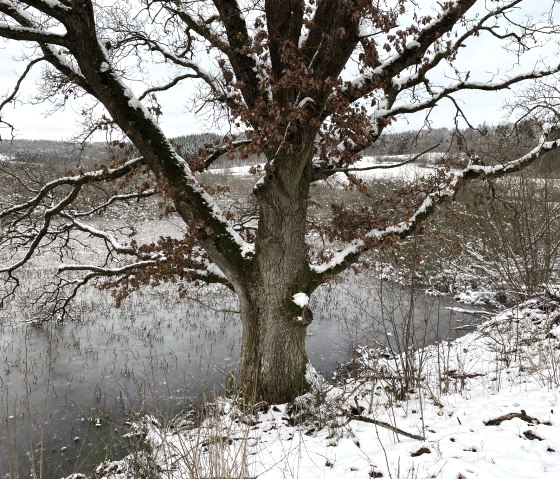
<point>499,143</point>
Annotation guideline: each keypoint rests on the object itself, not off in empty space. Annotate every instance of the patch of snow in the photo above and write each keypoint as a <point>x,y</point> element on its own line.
<point>338,258</point>
<point>305,101</point>
<point>55,4</point>
<point>484,408</point>
<point>301,299</point>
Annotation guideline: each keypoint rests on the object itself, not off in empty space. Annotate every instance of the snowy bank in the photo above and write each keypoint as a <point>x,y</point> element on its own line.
<point>482,406</point>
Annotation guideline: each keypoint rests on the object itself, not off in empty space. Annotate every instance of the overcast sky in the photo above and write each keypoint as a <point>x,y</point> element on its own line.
<point>36,121</point>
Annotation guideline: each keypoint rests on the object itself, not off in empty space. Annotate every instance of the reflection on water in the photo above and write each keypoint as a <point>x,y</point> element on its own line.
<point>63,389</point>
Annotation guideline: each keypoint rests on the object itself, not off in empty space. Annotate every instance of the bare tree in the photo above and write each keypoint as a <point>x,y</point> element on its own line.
<point>310,82</point>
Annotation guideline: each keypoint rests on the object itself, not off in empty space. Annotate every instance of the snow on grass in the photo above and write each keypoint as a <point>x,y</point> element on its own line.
<point>484,406</point>
<point>409,172</point>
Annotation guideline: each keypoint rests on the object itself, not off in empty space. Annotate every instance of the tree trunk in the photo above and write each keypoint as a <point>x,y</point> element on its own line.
<point>274,360</point>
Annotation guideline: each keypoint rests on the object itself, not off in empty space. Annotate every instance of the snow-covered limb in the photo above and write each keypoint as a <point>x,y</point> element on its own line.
<point>59,299</point>
<point>445,191</point>
<point>406,108</point>
<point>112,200</point>
<point>442,52</point>
<point>341,259</point>
<point>65,65</point>
<point>496,171</point>
<point>190,198</point>
<point>48,215</point>
<point>407,70</point>
<point>105,84</point>
<point>105,271</point>
<point>19,12</point>
<point>351,253</point>
<point>49,46</point>
<point>76,180</point>
<point>14,32</point>
<point>205,270</point>
<point>32,225</point>
<point>170,84</point>
<point>388,110</point>
<point>108,238</point>
<point>412,53</point>
<point>55,8</point>
<point>199,71</point>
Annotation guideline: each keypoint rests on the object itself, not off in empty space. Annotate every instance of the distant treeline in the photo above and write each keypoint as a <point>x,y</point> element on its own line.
<point>68,152</point>
<point>46,150</point>
<point>492,143</point>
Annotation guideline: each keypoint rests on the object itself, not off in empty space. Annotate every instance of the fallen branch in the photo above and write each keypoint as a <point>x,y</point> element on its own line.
<point>512,415</point>
<point>386,425</point>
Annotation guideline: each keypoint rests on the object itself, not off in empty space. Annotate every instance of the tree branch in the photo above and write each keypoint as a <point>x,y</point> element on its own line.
<point>19,81</point>
<point>74,181</point>
<point>445,192</point>
<point>243,64</point>
<point>323,172</point>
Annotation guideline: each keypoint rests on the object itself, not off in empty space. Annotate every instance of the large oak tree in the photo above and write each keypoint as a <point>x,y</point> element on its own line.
<point>309,83</point>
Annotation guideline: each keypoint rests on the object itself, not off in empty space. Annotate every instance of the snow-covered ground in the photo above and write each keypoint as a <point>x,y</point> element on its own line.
<point>406,172</point>
<point>483,406</point>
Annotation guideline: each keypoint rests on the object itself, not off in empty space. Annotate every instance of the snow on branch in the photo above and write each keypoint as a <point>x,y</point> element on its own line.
<point>125,197</point>
<point>173,82</point>
<point>464,85</point>
<point>121,279</point>
<point>28,28</point>
<point>14,32</point>
<point>545,145</point>
<point>216,152</point>
<point>105,271</point>
<point>28,25</point>
<point>407,69</point>
<point>29,226</point>
<point>37,237</point>
<point>59,298</point>
<point>200,27</point>
<point>442,52</point>
<point>445,191</point>
<point>54,8</point>
<point>413,51</point>
<point>76,181</point>
<point>108,238</point>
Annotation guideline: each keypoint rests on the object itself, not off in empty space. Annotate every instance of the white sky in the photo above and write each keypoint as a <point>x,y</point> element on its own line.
<point>36,121</point>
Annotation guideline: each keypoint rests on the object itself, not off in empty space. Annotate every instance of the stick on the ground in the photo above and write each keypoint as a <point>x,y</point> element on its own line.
<point>386,425</point>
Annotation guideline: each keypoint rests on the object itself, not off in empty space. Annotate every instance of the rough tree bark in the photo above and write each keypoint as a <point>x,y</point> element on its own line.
<point>274,327</point>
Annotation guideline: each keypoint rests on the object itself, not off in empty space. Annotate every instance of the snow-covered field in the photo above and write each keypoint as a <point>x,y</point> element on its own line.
<point>406,172</point>
<point>483,406</point>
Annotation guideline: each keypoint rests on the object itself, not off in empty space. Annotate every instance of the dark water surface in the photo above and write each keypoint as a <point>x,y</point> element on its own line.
<point>66,389</point>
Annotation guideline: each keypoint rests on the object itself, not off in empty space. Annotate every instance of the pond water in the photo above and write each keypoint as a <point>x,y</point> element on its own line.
<point>66,389</point>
